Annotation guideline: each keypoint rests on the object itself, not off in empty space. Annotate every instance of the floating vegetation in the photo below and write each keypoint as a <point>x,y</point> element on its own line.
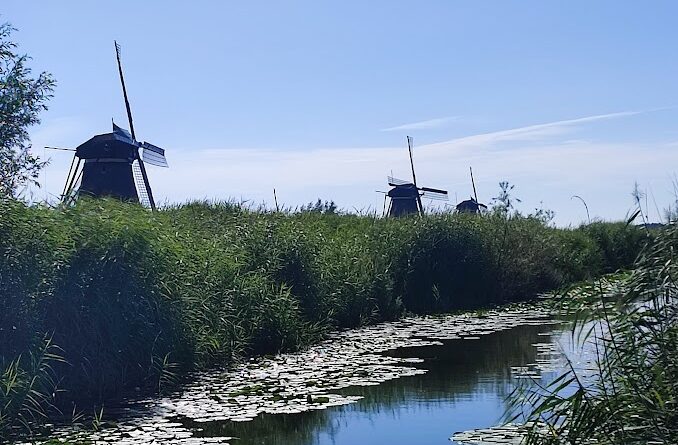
<point>297,382</point>
<point>509,434</point>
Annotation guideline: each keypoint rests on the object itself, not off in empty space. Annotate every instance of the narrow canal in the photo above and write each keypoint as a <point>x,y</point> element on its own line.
<point>465,388</point>
<point>414,381</point>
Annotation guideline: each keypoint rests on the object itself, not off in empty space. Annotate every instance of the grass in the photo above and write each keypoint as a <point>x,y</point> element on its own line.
<point>134,299</point>
<point>631,395</point>
<point>25,387</point>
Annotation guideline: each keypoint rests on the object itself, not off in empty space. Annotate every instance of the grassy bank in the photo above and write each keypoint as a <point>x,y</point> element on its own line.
<point>131,299</point>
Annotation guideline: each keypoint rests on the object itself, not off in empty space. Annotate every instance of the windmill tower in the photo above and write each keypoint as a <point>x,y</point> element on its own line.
<point>405,196</point>
<point>112,164</point>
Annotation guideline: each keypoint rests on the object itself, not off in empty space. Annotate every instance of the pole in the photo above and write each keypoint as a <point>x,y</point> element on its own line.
<point>275,198</point>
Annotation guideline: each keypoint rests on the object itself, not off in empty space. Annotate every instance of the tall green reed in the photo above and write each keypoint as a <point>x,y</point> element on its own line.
<point>136,298</point>
<point>628,393</point>
<point>28,385</point>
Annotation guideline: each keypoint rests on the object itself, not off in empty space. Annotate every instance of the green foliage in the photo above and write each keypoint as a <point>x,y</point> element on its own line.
<point>136,298</point>
<point>27,386</point>
<point>618,245</point>
<point>22,98</point>
<point>441,264</point>
<point>319,206</point>
<point>628,393</point>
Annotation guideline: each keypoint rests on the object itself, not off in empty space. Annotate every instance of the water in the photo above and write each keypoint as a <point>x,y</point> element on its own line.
<point>465,388</point>
<point>414,381</point>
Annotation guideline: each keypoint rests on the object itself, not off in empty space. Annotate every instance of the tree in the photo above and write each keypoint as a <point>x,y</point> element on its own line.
<point>22,98</point>
<point>326,207</point>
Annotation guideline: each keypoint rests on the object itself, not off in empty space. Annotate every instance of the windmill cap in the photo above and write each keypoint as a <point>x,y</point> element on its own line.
<point>403,190</point>
<point>108,145</point>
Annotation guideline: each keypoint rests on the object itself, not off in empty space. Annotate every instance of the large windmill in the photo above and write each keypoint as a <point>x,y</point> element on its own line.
<point>112,164</point>
<point>405,196</point>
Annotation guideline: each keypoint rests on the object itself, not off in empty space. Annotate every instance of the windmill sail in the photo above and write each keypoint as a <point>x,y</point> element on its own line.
<point>119,131</point>
<point>430,193</point>
<point>392,181</point>
<point>153,155</point>
<point>410,143</point>
<point>124,90</point>
<point>144,199</point>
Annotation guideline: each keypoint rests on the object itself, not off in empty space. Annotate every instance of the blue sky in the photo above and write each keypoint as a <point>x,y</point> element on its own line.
<point>315,98</point>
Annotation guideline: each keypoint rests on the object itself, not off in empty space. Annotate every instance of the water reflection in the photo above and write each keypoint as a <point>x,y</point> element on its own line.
<point>465,388</point>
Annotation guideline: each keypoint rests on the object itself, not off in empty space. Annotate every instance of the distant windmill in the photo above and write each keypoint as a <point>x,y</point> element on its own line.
<point>112,164</point>
<point>406,196</point>
<point>471,205</point>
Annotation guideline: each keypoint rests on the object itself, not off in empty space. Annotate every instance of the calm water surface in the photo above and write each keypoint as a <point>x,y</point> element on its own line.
<point>465,388</point>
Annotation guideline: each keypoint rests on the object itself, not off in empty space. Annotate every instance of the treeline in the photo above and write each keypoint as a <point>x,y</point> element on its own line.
<point>121,298</point>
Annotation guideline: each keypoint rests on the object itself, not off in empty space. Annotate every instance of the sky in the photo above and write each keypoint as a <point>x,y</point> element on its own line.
<point>315,98</point>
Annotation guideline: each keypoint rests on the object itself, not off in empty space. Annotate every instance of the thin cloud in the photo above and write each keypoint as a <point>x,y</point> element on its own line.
<point>531,132</point>
<point>424,125</point>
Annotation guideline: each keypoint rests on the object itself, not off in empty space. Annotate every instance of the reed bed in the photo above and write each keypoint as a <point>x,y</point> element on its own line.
<point>129,300</point>
<point>627,393</point>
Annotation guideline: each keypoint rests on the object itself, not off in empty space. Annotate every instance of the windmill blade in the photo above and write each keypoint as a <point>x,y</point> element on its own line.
<point>153,155</point>
<point>142,180</point>
<point>124,90</point>
<point>410,144</point>
<point>431,193</point>
<point>475,194</point>
<point>435,195</point>
<point>429,189</point>
<point>395,181</point>
<point>119,131</point>
<point>140,183</point>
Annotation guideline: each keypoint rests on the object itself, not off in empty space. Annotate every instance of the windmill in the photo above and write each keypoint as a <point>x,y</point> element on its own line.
<point>112,164</point>
<point>471,205</point>
<point>406,196</point>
